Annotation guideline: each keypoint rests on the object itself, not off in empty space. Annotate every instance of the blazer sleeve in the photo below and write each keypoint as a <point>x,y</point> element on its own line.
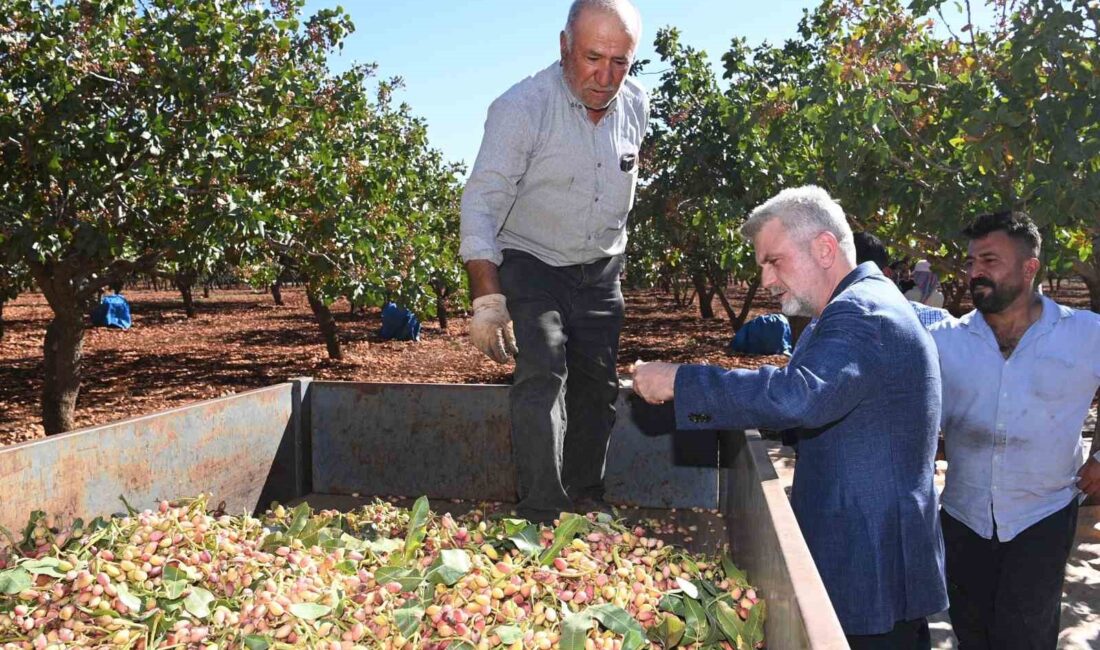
<point>828,378</point>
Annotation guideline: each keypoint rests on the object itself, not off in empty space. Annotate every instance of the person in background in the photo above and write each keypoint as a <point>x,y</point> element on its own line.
<point>543,232</point>
<point>902,275</point>
<point>870,248</point>
<point>864,390</point>
<point>926,289</point>
<point>1019,373</point>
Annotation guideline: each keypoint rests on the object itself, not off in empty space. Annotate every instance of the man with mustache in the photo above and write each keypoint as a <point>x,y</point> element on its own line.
<point>1019,373</point>
<point>543,233</point>
<point>864,392</point>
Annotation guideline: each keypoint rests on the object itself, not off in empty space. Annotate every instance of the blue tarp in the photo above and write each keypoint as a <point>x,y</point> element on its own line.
<point>399,323</point>
<point>767,334</point>
<point>112,311</point>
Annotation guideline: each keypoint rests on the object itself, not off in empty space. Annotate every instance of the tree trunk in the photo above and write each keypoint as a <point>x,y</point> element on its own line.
<point>327,323</point>
<point>206,290</point>
<point>277,292</point>
<point>738,321</point>
<point>188,299</point>
<point>681,295</point>
<point>63,351</point>
<point>441,304</point>
<point>184,282</point>
<point>705,293</point>
<point>2,319</point>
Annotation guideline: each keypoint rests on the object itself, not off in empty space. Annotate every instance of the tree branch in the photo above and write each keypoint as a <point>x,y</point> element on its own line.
<point>917,142</point>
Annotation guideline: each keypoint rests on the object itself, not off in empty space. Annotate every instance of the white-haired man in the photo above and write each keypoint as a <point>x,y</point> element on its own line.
<point>543,232</point>
<point>864,393</point>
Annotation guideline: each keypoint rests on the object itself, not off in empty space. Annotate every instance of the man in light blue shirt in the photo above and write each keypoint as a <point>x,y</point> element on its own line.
<point>1019,374</point>
<point>543,232</point>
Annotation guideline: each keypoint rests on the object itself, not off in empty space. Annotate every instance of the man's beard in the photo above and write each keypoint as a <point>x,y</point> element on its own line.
<point>997,299</point>
<point>792,305</point>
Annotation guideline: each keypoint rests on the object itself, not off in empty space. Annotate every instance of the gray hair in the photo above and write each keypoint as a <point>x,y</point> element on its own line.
<point>623,9</point>
<point>805,212</point>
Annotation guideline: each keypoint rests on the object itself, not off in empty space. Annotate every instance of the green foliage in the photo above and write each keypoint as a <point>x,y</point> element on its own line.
<point>188,133</point>
<point>14,280</point>
<point>180,137</point>
<point>915,127</point>
<point>946,128</point>
<point>714,153</point>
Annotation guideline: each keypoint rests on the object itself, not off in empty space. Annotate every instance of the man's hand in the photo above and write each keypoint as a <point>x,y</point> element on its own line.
<point>655,382</point>
<point>491,328</point>
<point>1089,478</point>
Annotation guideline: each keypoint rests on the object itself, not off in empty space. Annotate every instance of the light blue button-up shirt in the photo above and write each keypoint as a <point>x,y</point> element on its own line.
<point>549,182</point>
<point>1012,427</point>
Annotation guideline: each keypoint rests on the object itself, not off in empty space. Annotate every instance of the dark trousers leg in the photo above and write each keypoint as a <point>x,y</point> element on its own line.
<point>1027,612</point>
<point>556,310</point>
<point>1008,595</point>
<point>593,385</point>
<point>972,567</point>
<point>906,635</point>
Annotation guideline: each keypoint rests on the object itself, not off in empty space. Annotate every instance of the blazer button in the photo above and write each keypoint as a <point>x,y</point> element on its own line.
<point>699,418</point>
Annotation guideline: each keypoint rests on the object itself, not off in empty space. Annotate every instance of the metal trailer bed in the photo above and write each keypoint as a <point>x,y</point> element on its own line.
<point>336,444</point>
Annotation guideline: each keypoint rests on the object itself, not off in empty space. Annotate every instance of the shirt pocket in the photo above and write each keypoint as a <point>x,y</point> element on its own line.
<point>623,184</point>
<point>1054,373</point>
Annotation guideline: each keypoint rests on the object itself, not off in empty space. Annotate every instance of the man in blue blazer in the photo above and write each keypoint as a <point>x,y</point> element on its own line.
<point>864,392</point>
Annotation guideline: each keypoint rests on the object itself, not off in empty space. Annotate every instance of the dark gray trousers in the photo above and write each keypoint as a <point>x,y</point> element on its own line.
<point>1008,595</point>
<point>567,322</point>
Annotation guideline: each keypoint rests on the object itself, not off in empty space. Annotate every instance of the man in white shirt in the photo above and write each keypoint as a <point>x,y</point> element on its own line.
<point>1019,374</point>
<point>544,229</point>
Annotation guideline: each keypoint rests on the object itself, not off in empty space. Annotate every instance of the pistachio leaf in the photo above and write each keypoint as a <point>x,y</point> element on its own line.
<point>45,566</point>
<point>567,529</point>
<point>408,620</point>
<point>418,527</point>
<point>12,581</point>
<point>197,603</point>
<point>508,634</point>
<point>574,631</point>
<point>449,567</point>
<point>256,642</point>
<point>668,632</point>
<point>309,611</point>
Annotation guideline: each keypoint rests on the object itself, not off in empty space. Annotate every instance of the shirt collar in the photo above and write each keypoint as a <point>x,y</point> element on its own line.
<point>575,103</point>
<point>1052,313</point>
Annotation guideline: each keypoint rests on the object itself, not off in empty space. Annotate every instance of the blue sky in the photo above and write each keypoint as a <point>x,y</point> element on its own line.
<point>456,57</point>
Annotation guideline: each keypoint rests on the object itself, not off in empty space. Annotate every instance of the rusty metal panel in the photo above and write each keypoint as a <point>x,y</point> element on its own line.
<point>766,541</point>
<point>224,447</point>
<point>445,441</point>
<point>453,442</point>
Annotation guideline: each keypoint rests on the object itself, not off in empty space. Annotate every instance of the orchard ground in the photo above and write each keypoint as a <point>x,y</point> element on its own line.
<point>241,340</point>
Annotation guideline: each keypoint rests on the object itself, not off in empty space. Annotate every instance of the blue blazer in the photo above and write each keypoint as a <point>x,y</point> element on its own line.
<point>864,392</point>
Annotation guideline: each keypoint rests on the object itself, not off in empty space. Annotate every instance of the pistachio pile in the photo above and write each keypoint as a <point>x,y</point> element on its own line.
<point>381,577</point>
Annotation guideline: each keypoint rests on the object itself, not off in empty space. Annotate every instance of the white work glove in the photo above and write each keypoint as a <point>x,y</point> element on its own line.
<point>491,328</point>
